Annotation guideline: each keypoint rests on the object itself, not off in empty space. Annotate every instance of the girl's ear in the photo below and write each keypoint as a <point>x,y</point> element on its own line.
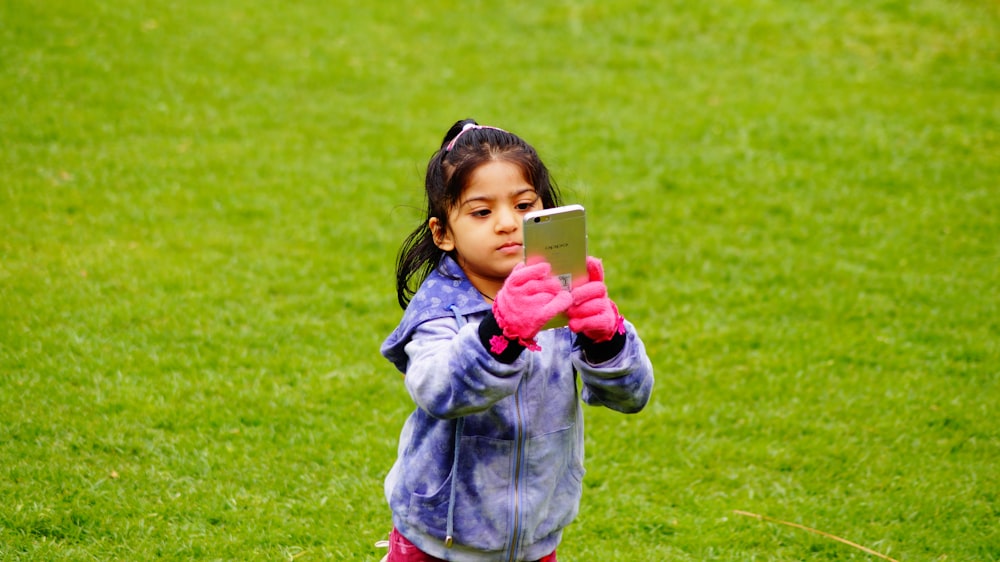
<point>442,236</point>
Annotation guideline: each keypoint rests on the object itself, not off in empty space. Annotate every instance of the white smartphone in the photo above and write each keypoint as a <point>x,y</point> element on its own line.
<point>559,235</point>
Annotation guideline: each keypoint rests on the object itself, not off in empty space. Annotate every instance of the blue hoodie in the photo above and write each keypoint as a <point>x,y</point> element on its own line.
<point>493,454</point>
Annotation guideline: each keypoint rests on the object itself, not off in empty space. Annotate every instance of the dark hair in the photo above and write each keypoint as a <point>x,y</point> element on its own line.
<point>465,147</point>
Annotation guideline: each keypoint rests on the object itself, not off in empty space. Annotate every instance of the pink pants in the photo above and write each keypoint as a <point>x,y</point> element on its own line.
<point>402,550</point>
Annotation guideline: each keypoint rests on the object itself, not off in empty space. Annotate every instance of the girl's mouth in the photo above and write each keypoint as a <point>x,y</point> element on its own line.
<point>510,248</point>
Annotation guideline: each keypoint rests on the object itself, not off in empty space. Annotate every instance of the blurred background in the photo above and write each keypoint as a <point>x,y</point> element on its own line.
<point>201,204</point>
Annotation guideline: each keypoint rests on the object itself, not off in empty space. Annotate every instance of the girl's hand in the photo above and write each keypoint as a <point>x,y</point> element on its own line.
<point>530,297</point>
<point>592,313</point>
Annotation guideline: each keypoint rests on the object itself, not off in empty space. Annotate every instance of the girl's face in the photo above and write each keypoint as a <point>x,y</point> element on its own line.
<point>484,228</point>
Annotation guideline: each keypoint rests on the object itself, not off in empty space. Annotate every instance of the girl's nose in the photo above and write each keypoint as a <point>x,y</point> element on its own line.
<point>507,221</point>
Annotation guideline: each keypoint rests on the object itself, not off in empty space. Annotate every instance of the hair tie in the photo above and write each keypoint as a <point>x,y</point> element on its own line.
<point>467,127</point>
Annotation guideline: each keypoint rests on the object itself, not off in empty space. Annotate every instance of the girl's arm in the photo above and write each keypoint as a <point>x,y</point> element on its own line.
<point>451,374</point>
<point>623,381</point>
<point>611,359</point>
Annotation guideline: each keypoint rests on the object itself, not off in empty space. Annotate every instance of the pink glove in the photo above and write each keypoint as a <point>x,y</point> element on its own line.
<point>529,298</point>
<point>592,313</point>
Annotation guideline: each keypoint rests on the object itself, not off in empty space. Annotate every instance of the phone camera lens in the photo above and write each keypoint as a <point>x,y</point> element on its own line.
<point>538,219</point>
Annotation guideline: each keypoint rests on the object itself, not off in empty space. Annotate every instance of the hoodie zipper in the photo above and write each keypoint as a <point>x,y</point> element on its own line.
<point>518,461</point>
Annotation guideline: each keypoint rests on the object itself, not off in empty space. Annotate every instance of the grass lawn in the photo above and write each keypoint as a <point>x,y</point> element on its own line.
<point>798,204</point>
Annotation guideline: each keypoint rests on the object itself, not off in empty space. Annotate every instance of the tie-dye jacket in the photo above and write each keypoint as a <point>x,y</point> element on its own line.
<point>513,480</point>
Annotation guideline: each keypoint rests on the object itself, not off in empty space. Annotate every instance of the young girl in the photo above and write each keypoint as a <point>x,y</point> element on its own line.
<point>490,464</point>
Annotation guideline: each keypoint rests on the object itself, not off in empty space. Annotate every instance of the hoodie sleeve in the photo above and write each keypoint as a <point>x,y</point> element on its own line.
<point>623,382</point>
<point>450,373</point>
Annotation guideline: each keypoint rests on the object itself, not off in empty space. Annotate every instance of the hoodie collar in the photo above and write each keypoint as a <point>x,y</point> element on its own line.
<point>446,292</point>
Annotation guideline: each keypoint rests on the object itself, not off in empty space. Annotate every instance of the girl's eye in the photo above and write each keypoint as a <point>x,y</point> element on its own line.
<point>481,213</point>
<point>526,205</point>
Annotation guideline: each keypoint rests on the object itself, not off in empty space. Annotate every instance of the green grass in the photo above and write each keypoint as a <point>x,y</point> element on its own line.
<point>798,203</point>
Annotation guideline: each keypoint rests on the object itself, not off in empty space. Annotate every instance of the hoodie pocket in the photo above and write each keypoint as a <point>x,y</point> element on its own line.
<point>555,473</point>
<point>482,497</point>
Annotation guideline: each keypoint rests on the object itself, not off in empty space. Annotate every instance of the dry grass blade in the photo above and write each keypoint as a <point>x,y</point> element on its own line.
<point>816,531</point>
